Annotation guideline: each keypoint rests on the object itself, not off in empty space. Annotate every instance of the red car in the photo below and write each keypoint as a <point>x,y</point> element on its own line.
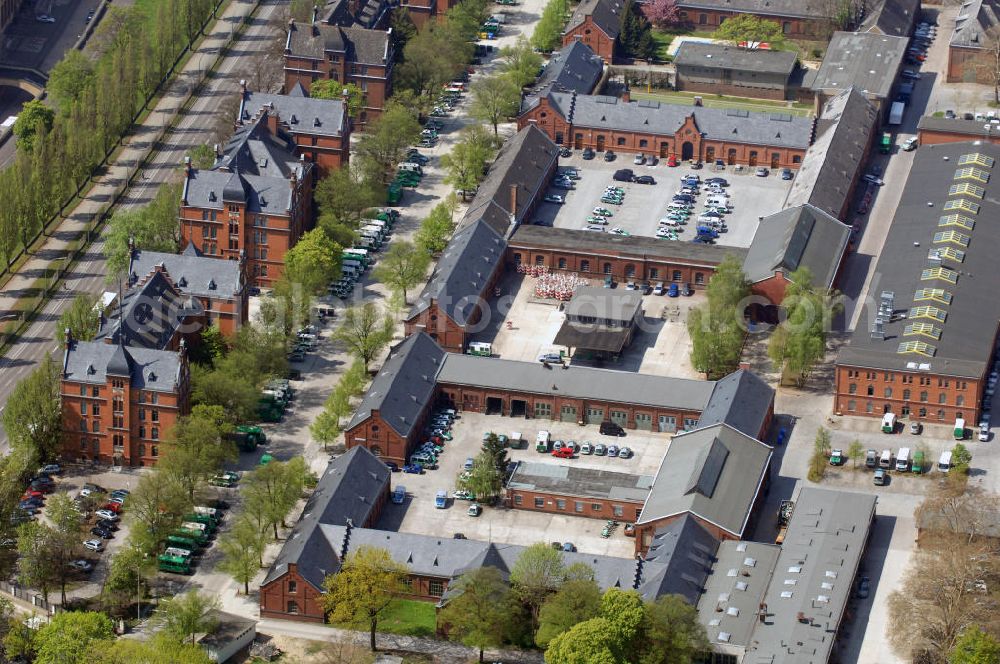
<point>32,493</point>
<point>114,507</point>
<point>672,161</point>
<point>563,453</point>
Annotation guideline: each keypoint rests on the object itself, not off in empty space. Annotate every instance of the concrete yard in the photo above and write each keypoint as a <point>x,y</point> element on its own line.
<point>500,524</point>
<point>752,197</point>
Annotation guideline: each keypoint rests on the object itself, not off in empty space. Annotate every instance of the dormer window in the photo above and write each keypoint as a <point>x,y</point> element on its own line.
<point>211,284</point>
<point>152,377</point>
<point>182,282</point>
<point>212,197</point>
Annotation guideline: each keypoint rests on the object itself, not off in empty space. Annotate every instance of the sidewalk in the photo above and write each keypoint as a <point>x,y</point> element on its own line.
<point>54,252</point>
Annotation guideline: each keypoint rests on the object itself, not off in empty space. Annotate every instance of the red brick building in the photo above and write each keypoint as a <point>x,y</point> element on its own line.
<point>969,58</point>
<point>597,494</point>
<point>799,19</point>
<point>422,11</point>
<point>356,55</point>
<point>319,128</point>
<point>255,202</point>
<point>703,134</point>
<point>597,24</point>
<point>932,130</point>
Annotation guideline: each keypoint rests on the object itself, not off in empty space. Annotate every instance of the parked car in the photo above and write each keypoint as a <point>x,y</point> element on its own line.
<point>623,175</point>
<point>761,172</point>
<point>916,428</point>
<point>609,156</point>
<point>563,453</point>
<point>107,524</point>
<point>910,75</point>
<point>864,588</point>
<point>837,457</point>
<point>45,18</point>
<point>469,462</point>
<point>103,533</point>
<point>909,144</point>
<point>786,174</point>
<point>588,154</point>
<point>554,198</point>
<point>625,453</point>
<point>550,357</point>
<point>609,428</point>
<point>568,546</point>
<point>880,477</point>
<point>106,514</point>
<point>51,469</point>
<point>639,159</point>
<point>413,469</point>
<point>475,509</point>
<point>565,152</point>
<point>600,449</point>
<point>586,448</point>
<point>82,565</point>
<point>94,545</point>
<point>645,179</point>
<point>613,451</point>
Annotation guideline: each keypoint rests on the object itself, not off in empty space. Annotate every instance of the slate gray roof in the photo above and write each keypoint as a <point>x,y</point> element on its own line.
<point>971,128</point>
<point>575,382</point>
<point>522,163</point>
<point>191,272</point>
<point>742,400</point>
<point>967,333</point>
<point>801,236</point>
<point>605,303</point>
<point>975,19</point>
<point>359,44</point>
<point>836,158</point>
<point>808,9</point>
<point>254,150</point>
<point>591,337</point>
<point>474,253</point>
<point>713,473</point>
<point>821,552</point>
<point>866,60</point>
<point>404,386</point>
<point>347,491</point>
<point>148,369</point>
<point>575,481</point>
<point>727,57</point>
<point>611,113</point>
<point>574,68</point>
<point>605,14</point>
<point>322,117</point>
<point>150,313</point>
<point>891,17</point>
<point>601,245</point>
<point>733,592</point>
<point>682,553</point>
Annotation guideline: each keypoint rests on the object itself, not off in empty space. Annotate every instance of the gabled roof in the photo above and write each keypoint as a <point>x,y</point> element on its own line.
<point>866,60</point>
<point>521,166</point>
<point>254,150</point>
<point>191,272</point>
<point>801,236</point>
<point>713,473</point>
<point>147,369</point>
<point>741,400</point>
<point>404,386</point>
<point>681,554</point>
<point>611,113</point>
<point>835,160</point>
<point>574,68</point>
<point>348,491</point>
<point>605,14</point>
<point>891,17</point>
<point>299,113</point>
<point>974,21</point>
<point>359,44</point>
<point>808,9</point>
<point>732,58</point>
<point>150,313</point>
<point>474,253</point>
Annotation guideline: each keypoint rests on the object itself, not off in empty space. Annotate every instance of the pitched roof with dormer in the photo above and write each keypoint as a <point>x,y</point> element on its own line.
<point>191,272</point>
<point>91,362</point>
<point>361,45</point>
<point>150,313</point>
<point>298,112</point>
<point>605,14</point>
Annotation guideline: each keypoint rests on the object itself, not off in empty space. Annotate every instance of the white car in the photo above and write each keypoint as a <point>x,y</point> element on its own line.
<point>45,18</point>
<point>909,144</point>
<point>639,160</point>
<point>555,198</point>
<point>94,545</point>
<point>596,229</point>
<point>106,514</point>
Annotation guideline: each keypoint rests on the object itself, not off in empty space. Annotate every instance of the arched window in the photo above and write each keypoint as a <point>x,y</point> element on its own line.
<point>562,263</point>
<point>539,260</point>
<point>584,266</point>
<point>630,270</point>
<point>676,275</point>
<point>607,268</point>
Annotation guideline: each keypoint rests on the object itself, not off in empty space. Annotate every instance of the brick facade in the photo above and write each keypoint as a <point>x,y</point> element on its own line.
<point>968,65</point>
<point>450,334</point>
<point>921,396</point>
<point>590,34</point>
<point>709,20</point>
<point>291,597</point>
<point>582,506</point>
<point>375,434</point>
<point>422,11</point>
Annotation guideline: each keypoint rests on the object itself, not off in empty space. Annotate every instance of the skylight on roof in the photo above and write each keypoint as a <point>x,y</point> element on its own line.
<point>935,294</point>
<point>950,253</point>
<point>917,347</point>
<point>959,220</point>
<point>795,569</point>
<point>962,204</point>
<point>966,189</point>
<point>934,313</point>
<point>972,173</point>
<point>786,594</point>
<point>977,159</point>
<point>953,237</point>
<point>924,329</point>
<point>942,273</point>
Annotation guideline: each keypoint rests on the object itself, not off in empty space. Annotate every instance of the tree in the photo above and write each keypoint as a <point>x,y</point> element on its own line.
<point>747,27</point>
<point>155,507</point>
<point>799,342</point>
<point>855,451</point>
<point>672,633</point>
<point>342,197</point>
<point>302,10</point>
<point>435,230</point>
<point>127,572</point>
<point>160,649</point>
<point>821,452</point>
<point>386,142</point>
<point>202,156</point>
<point>466,163</point>
<point>200,446</point>
<point>431,58</point>
<point>663,13</point>
<point>34,117</point>
<point>276,487</point>
<point>479,614</point>
<point>69,634</point>
<point>636,39</point>
<point>960,455</point>
<point>975,646</point>
<point>494,98</point>
<point>65,537</point>
<point>313,262</point>
<point>73,74</point>
<point>521,64</point>
<point>19,641</point>
<point>547,35</point>
<point>330,89</point>
<point>37,566</point>
<point>153,228</point>
<point>537,574</point>
<point>577,600</point>
<point>81,318</point>
<point>586,642</point>
<point>33,415</point>
<point>365,331</point>
<point>716,328</point>
<point>242,549</point>
<point>403,267</point>
<point>222,387</point>
<point>365,587</point>
<point>495,453</point>
<point>484,479</point>
<point>185,616</point>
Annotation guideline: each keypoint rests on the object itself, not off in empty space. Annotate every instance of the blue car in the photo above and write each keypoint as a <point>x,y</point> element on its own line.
<point>674,291</point>
<point>413,469</point>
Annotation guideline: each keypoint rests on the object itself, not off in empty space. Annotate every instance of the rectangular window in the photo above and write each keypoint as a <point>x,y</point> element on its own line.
<point>142,431</point>
<point>518,499</point>
<point>596,507</point>
<point>83,408</point>
<point>577,507</point>
<point>142,414</point>
<point>560,504</point>
<point>154,433</point>
<point>617,510</point>
<point>293,586</point>
<point>96,409</point>
<point>539,502</point>
<point>435,588</point>
<point>154,415</point>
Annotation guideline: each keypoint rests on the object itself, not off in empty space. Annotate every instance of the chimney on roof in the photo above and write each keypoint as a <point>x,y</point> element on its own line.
<point>69,338</point>
<point>513,200</point>
<point>188,168</point>
<point>243,85</point>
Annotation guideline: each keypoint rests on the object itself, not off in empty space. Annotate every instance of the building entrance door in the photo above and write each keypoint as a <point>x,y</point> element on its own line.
<point>687,151</point>
<point>668,423</point>
<point>600,144</point>
<point>567,414</point>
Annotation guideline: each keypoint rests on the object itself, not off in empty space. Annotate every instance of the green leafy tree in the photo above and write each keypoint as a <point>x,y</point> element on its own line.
<point>466,163</point>
<point>403,267</point>
<point>342,197</point>
<point>586,642</point>
<point>126,581</point>
<point>431,58</point>
<point>65,536</point>
<point>242,549</point>
<point>69,634</point>
<point>484,479</point>
<point>494,98</point>
<point>202,156</point>
<point>520,63</point>
<point>326,428</point>
<point>34,117</point>
<point>32,417</point>
<point>716,328</point>
<point>538,573</point>
<point>636,38</point>
<point>975,646</point>
<point>37,566</point>
<point>153,228</point>
<point>19,641</point>
<point>403,29</point>
<point>330,89</point>
<point>856,451</point>
<point>747,27</point>
<point>277,487</point>
<point>960,455</point>
<point>160,649</point>
<point>385,143</point>
<point>222,387</point>
<point>672,633</point>
<point>200,446</point>
<point>155,509</point>
<point>480,613</point>
<point>81,318</point>
<point>467,17</point>
<point>496,453</point>
<point>185,616</point>
<point>313,261</point>
<point>821,443</point>
<point>365,331</point>
<point>364,589</point>
<point>547,35</point>
<point>435,230</point>
<point>799,343</point>
<point>577,600</point>
<point>73,74</point>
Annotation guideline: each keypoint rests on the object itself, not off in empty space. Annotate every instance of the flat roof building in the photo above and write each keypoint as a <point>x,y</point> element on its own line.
<point>727,69</point>
<point>932,130</point>
<point>560,488</point>
<point>600,321</point>
<point>867,61</point>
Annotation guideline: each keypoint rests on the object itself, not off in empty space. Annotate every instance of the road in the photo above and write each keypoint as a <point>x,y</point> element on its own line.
<point>195,126</point>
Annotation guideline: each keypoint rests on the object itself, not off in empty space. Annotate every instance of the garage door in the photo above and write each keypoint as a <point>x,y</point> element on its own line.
<point>668,423</point>
<point>595,415</point>
<point>568,414</point>
<point>619,417</point>
<point>644,421</point>
<point>543,411</point>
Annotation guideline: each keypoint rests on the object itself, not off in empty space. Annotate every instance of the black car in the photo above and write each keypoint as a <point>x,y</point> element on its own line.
<point>623,175</point>
<point>609,156</point>
<point>106,524</point>
<point>392,467</point>
<point>645,179</point>
<point>565,152</point>
<point>588,154</point>
<point>609,428</point>
<point>684,198</point>
<point>722,182</point>
<point>103,533</point>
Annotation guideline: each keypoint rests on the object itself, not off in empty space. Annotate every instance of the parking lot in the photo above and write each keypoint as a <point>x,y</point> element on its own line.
<point>499,524</point>
<point>643,206</point>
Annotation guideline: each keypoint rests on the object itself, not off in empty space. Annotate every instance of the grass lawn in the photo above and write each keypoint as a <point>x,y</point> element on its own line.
<point>716,101</point>
<point>663,39</point>
<point>404,616</point>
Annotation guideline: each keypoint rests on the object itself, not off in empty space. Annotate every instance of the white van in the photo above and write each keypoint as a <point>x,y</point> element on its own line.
<point>944,462</point>
<point>480,348</point>
<point>207,511</point>
<point>191,525</point>
<point>903,459</point>
<point>885,459</point>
